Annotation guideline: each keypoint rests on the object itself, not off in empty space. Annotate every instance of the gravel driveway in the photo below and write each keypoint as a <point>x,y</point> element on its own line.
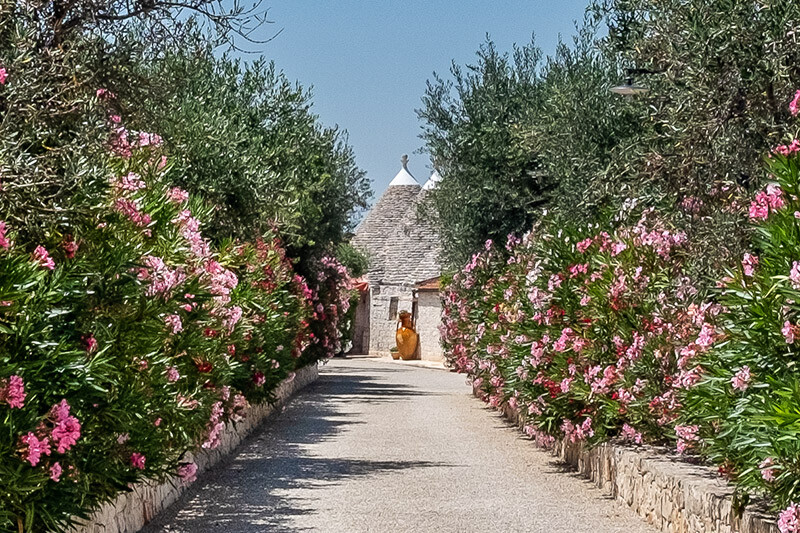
<point>380,447</point>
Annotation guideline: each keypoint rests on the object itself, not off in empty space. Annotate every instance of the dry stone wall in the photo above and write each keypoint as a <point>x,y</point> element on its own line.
<point>428,322</point>
<point>130,511</point>
<point>669,493</point>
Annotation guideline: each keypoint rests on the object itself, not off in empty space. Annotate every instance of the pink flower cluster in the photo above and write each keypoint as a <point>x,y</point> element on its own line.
<point>789,519</point>
<point>190,230</point>
<point>173,323</point>
<point>230,316</point>
<point>215,427</point>
<point>770,199</point>
<point>138,460</point>
<point>67,428</point>
<point>65,432</point>
<point>687,436</point>
<point>162,280</point>
<point>187,472</point>
<point>741,380</point>
<point>43,258</point>
<point>12,392</point>
<point>631,435</point>
<point>749,264</point>
<point>220,281</point>
<point>767,470</point>
<point>34,448</point>
<point>130,209</point>
<point>4,242</point>
<point>579,432</point>
<point>794,274</point>
<point>177,195</point>
<point>794,105</point>
<point>131,182</point>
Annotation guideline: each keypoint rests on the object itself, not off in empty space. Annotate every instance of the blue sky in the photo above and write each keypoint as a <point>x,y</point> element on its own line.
<point>368,61</point>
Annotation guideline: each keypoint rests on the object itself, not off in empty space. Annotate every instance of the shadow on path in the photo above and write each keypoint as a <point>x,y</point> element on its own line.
<point>250,491</point>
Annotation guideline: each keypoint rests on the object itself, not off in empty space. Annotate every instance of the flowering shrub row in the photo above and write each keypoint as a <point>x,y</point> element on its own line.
<point>133,339</point>
<point>596,335</point>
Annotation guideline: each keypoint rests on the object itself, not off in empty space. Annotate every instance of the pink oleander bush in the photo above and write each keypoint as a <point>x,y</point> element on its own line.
<point>589,333</point>
<point>596,334</point>
<point>746,409</point>
<point>132,339</point>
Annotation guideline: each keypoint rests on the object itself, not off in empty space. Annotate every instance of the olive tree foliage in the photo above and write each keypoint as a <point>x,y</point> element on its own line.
<point>722,73</point>
<point>61,22</point>
<point>476,128</point>
<point>245,138</point>
<point>51,131</point>
<point>239,134</point>
<point>583,133</point>
<point>724,70</point>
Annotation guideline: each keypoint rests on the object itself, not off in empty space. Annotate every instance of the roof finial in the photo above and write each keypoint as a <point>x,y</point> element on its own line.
<point>404,161</point>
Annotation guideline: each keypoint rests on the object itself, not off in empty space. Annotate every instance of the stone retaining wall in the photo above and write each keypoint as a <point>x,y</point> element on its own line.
<point>669,493</point>
<point>130,511</point>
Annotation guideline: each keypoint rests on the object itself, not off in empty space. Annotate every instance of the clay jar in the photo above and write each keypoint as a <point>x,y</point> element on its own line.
<point>406,337</point>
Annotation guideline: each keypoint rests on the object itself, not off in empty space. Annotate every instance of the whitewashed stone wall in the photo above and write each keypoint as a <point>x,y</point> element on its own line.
<point>130,511</point>
<point>361,325</point>
<point>672,495</point>
<point>429,318</point>
<point>382,328</point>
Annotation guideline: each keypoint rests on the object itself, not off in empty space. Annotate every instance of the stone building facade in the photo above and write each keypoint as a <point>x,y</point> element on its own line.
<point>429,318</point>
<point>403,249</point>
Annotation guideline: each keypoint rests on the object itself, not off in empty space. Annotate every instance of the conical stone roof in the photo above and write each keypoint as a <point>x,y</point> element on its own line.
<point>376,232</point>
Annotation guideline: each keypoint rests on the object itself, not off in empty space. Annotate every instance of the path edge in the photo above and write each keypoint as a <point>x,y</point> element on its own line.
<point>131,511</point>
<point>667,492</point>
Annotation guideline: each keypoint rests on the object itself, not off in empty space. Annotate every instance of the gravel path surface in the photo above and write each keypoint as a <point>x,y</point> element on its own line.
<point>380,447</point>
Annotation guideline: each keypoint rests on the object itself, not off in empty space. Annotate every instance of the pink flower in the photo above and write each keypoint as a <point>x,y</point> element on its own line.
<point>137,460</point>
<point>177,195</point>
<point>131,182</point>
<point>794,106</point>
<point>90,343</point>
<point>259,379</point>
<point>767,472</point>
<point>214,427</point>
<point>618,247</point>
<point>157,422</point>
<point>149,139</point>
<point>188,472</point>
<point>105,94</point>
<point>41,256</point>
<point>631,435</point>
<point>12,392</point>
<point>741,380</point>
<point>4,242</point>
<point>172,374</point>
<point>794,274</point>
<point>584,245</point>
<point>70,246</point>
<point>67,428</point>
<point>3,75</point>
<point>230,317</point>
<point>686,436</point>
<point>55,472</point>
<point>34,448</point>
<point>173,323</point>
<point>749,264</point>
<point>789,332</point>
<point>789,519</point>
<point>772,198</point>
<point>130,209</point>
